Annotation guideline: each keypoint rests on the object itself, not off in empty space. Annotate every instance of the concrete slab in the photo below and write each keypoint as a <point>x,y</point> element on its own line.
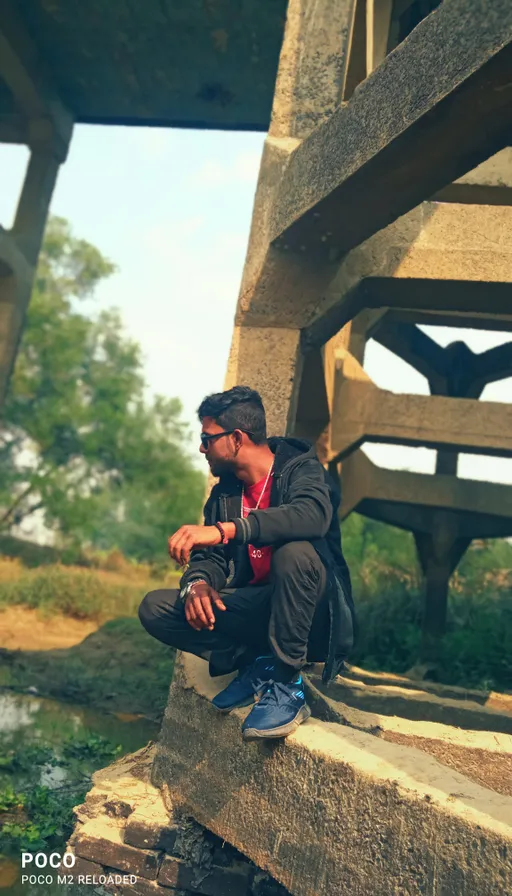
<point>333,809</point>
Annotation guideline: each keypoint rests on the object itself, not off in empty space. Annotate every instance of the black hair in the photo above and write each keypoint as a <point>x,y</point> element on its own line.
<point>238,408</point>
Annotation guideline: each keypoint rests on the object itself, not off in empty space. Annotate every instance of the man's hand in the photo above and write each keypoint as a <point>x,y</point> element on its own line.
<point>198,606</point>
<point>188,537</point>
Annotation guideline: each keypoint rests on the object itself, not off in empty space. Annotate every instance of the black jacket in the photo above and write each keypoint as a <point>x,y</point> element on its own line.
<point>304,505</point>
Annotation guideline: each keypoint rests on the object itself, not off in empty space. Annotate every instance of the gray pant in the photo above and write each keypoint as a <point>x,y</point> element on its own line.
<point>288,617</point>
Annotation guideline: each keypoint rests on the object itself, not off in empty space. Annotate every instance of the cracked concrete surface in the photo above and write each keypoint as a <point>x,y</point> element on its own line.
<point>336,809</point>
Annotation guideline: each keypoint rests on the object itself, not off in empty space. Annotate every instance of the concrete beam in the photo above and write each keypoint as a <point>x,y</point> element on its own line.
<point>414,518</point>
<point>411,344</point>
<point>488,184</point>
<point>45,117</point>
<point>482,320</point>
<point>364,413</point>
<point>12,129</point>
<point>476,505</point>
<point>454,370</point>
<point>445,258</point>
<point>312,66</point>
<point>361,170</point>
<point>313,411</point>
<point>361,47</point>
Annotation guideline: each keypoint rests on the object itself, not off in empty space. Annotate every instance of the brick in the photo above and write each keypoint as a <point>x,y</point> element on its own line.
<point>85,867</point>
<point>142,862</point>
<point>150,836</point>
<point>144,887</point>
<point>216,882</point>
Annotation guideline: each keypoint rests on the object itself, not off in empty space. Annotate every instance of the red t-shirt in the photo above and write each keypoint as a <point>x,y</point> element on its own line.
<point>260,557</point>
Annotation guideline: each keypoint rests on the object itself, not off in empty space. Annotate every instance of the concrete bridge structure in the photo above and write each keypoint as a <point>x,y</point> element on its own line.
<point>383,202</point>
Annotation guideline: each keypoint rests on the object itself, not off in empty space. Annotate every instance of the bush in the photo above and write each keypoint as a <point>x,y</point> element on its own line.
<point>73,591</point>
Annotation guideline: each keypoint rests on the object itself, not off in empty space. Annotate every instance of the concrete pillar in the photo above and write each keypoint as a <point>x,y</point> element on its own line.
<point>46,127</point>
<point>439,552</point>
<point>279,287</point>
<point>19,250</point>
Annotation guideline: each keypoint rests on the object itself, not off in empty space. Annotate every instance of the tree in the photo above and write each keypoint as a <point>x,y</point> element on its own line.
<point>79,441</point>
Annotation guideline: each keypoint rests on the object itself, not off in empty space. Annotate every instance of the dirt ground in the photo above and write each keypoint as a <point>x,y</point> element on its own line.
<point>23,629</point>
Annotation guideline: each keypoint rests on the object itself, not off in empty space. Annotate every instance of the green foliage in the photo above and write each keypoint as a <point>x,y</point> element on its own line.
<point>10,799</point>
<point>43,816</point>
<point>51,818</point>
<point>372,548</point>
<point>22,835</point>
<point>94,746</point>
<point>81,443</point>
<point>475,651</point>
<point>24,761</point>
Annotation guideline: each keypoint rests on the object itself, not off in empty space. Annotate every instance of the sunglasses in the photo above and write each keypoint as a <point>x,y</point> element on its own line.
<point>206,439</point>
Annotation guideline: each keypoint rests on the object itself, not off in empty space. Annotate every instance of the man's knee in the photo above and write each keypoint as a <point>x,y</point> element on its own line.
<point>154,608</point>
<point>295,556</point>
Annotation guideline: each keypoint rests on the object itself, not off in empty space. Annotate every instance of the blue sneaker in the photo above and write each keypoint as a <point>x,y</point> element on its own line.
<point>250,681</point>
<point>280,710</point>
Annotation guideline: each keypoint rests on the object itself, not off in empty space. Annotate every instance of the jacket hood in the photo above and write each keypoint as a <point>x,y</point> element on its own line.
<point>289,448</point>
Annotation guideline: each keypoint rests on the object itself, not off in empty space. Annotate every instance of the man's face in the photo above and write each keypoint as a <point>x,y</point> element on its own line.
<point>220,453</point>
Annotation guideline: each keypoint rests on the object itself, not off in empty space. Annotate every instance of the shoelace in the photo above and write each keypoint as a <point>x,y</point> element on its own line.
<point>258,684</point>
<point>275,689</point>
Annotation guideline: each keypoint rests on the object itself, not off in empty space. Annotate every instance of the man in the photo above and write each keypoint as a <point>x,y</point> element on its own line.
<point>266,589</point>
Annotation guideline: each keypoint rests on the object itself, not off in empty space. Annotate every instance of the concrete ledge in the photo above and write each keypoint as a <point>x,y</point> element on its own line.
<point>416,704</point>
<point>333,809</point>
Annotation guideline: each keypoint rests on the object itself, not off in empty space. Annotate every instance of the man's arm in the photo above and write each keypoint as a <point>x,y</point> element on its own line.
<point>209,564</point>
<point>305,513</point>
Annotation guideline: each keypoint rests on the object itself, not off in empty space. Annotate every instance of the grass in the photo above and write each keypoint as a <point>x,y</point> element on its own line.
<point>97,594</point>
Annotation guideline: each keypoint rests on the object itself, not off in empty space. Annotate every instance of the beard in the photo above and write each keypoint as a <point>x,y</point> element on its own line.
<point>219,467</point>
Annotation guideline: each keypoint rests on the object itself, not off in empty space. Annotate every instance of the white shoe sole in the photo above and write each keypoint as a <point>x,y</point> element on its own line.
<point>283,731</point>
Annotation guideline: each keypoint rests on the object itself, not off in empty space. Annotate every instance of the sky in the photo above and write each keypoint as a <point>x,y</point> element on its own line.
<point>172,209</point>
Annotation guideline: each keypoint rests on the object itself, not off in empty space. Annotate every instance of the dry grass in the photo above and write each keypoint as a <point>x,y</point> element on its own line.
<point>98,594</point>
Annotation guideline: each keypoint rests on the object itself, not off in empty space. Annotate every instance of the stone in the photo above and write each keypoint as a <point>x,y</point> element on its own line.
<point>204,881</point>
